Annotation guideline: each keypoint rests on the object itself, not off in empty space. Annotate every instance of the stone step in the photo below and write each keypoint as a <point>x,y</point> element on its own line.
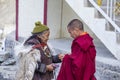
<point>105,74</point>
<point>7,72</point>
<point>108,64</point>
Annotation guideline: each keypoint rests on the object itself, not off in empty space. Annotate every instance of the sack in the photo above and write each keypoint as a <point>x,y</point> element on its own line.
<point>27,62</point>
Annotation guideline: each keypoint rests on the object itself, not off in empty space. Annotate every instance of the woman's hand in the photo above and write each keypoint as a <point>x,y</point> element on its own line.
<point>61,56</point>
<point>50,67</point>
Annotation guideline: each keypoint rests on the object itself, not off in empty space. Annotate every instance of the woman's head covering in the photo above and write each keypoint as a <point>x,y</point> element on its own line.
<point>39,28</point>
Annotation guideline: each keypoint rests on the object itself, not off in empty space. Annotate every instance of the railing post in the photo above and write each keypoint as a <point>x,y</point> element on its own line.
<point>110,14</point>
<point>107,24</point>
<point>118,37</point>
<point>108,7</point>
<point>111,2</point>
<point>114,10</point>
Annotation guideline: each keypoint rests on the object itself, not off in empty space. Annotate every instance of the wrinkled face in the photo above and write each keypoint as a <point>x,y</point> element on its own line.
<point>74,32</point>
<point>44,36</point>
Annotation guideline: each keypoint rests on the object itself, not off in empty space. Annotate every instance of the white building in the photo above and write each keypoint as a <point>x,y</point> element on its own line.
<point>101,21</point>
<point>57,13</point>
<point>20,15</point>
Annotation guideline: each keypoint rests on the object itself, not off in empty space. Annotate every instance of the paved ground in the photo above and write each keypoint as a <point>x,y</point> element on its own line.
<point>7,72</point>
<point>107,67</point>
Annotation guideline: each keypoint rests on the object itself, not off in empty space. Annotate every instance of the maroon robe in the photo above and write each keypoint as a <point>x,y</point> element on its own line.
<point>80,64</point>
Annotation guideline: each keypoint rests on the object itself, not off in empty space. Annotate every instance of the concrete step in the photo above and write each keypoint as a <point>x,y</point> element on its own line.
<point>108,64</point>
<point>105,74</point>
<point>75,2</point>
<point>107,69</point>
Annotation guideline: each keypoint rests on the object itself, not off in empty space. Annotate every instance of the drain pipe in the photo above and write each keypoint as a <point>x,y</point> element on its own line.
<point>45,12</point>
<point>17,11</point>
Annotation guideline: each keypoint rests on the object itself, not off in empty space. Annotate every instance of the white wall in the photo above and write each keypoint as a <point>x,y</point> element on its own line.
<point>58,17</point>
<point>7,17</point>
<point>67,16</point>
<point>30,11</point>
<point>54,18</point>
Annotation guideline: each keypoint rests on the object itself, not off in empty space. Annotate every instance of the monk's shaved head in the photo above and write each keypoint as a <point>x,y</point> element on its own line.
<point>75,23</point>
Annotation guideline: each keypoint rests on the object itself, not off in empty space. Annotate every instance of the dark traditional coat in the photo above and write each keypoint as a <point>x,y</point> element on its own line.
<point>33,65</point>
<point>80,64</point>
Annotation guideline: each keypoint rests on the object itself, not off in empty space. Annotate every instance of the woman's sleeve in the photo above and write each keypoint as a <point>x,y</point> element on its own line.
<point>55,59</point>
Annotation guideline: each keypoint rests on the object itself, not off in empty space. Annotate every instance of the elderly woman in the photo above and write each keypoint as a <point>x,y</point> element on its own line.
<point>37,64</point>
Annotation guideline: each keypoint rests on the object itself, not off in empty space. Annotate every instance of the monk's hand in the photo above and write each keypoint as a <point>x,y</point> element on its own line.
<point>61,56</point>
<point>50,67</point>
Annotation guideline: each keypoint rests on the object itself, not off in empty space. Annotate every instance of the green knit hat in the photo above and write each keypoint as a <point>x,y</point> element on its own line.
<point>39,28</point>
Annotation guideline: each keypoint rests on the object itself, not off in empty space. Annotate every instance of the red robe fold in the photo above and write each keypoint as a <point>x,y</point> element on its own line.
<point>80,64</point>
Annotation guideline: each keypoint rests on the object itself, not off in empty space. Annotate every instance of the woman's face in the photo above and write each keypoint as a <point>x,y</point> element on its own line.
<point>44,36</point>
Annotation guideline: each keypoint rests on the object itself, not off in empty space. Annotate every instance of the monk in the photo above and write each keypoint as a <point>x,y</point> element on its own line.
<point>80,64</point>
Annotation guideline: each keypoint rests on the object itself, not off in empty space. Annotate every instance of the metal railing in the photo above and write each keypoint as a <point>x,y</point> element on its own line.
<point>112,8</point>
<point>107,9</point>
